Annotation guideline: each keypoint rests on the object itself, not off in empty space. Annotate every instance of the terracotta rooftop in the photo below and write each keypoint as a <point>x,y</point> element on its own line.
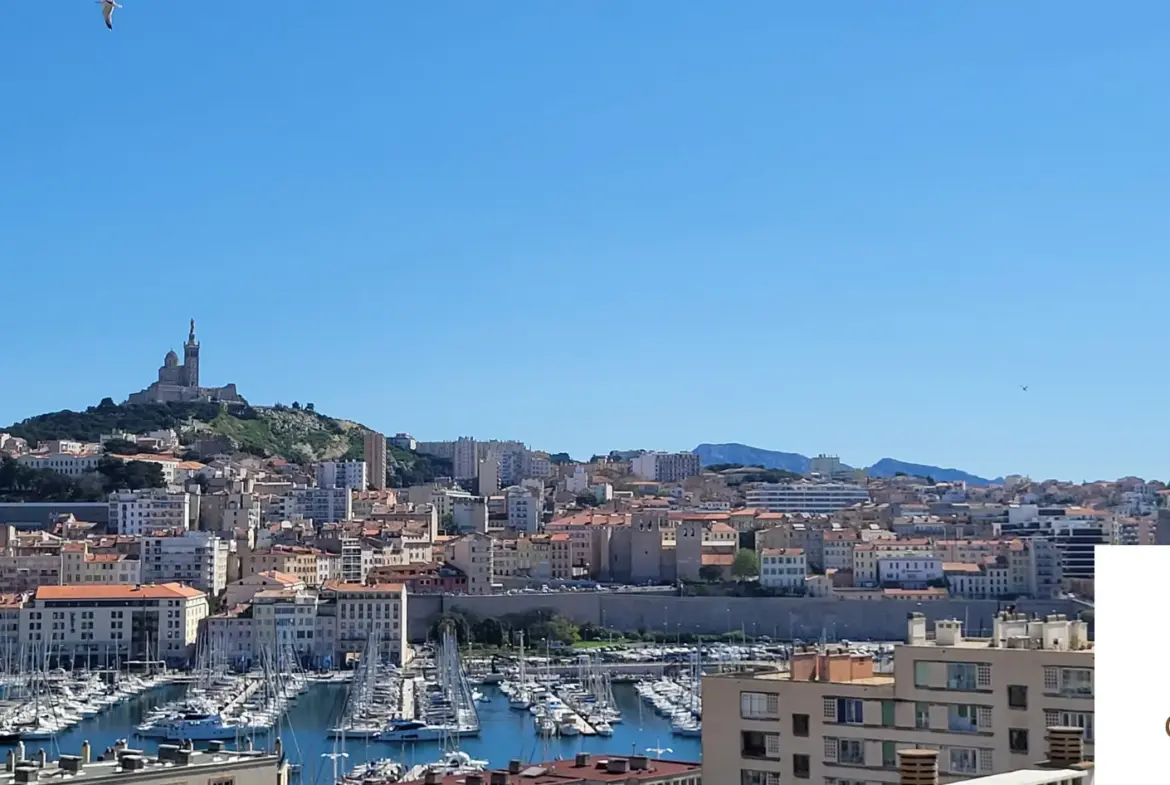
<point>118,591</point>
<point>279,577</point>
<point>595,769</point>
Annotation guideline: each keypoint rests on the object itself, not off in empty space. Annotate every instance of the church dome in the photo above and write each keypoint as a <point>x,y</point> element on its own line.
<point>172,359</point>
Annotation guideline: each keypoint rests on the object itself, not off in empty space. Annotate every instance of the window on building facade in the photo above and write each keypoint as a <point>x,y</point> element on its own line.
<point>758,705</point>
<point>851,751</point>
<point>962,676</point>
<point>800,723</point>
<point>801,766</point>
<point>849,711</point>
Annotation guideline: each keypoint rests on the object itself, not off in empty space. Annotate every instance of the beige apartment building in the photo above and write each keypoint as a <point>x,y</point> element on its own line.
<point>80,565</point>
<point>984,704</point>
<point>361,611</point>
<point>107,620</point>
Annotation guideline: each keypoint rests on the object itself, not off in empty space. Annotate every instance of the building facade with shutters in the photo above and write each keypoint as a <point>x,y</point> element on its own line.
<point>984,704</point>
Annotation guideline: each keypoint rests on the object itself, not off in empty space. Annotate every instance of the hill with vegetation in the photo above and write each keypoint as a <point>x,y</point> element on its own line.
<point>296,433</point>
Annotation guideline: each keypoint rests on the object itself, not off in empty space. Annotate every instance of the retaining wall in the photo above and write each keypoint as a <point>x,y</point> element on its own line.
<point>779,617</point>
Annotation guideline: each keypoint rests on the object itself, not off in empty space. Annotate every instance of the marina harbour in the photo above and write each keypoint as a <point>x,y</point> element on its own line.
<point>305,732</point>
<point>373,724</point>
<point>379,722</point>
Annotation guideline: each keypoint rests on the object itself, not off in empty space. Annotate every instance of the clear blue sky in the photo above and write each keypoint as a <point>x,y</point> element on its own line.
<point>844,227</point>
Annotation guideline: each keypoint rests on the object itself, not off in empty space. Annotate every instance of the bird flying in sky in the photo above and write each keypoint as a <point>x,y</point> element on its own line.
<point>1024,387</point>
<point>108,7</point>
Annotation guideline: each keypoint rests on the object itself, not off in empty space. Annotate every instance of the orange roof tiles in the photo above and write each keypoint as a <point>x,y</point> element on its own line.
<point>959,567</point>
<point>279,577</point>
<point>117,591</point>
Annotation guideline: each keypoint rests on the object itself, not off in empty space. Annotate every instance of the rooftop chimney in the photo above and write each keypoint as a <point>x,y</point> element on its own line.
<point>215,746</point>
<point>618,766</point>
<point>474,779</point>
<point>432,777</point>
<point>1066,746</point>
<point>499,778</point>
<point>70,763</point>
<point>918,767</point>
<point>515,764</point>
<point>23,775</point>
<point>639,763</point>
<point>582,760</point>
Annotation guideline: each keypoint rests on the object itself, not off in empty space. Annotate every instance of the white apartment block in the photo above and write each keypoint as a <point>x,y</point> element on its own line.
<point>196,558</point>
<point>524,507</point>
<point>783,568</point>
<point>126,621</point>
<point>868,556</point>
<point>149,510</point>
<point>807,497</point>
<point>578,481</point>
<point>69,464</point>
<point>321,505</point>
<point>985,705</point>
<point>342,474</point>
<point>909,572</point>
<point>665,467</point>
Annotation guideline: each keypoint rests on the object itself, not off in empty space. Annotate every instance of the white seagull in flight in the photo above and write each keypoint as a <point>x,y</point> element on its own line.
<point>108,7</point>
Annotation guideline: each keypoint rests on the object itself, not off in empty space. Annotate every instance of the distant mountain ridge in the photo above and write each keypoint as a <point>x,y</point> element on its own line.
<point>746,455</point>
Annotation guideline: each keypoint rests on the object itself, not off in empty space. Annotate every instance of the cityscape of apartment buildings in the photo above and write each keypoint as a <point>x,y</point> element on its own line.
<point>235,551</point>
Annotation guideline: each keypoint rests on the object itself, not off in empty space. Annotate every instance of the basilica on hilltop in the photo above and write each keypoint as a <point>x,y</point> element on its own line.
<point>181,382</point>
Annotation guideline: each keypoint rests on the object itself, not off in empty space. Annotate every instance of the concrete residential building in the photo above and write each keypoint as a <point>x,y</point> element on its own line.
<point>149,510</point>
<point>321,505</point>
<point>665,467</point>
<point>374,451</point>
<point>472,553</point>
<point>465,459</point>
<point>80,565</point>
<point>199,559</point>
<point>134,622</point>
<point>69,464</point>
<point>523,509</point>
<point>806,497</point>
<point>342,474</point>
<point>984,704</point>
<point>362,611</point>
<point>783,568</point>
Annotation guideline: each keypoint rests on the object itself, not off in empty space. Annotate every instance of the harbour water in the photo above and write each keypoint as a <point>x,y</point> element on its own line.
<point>505,734</point>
